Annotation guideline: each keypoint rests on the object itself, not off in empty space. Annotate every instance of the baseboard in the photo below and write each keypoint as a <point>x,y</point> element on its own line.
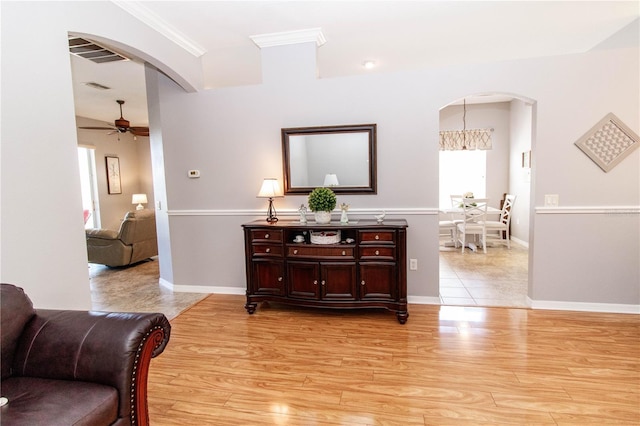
<point>520,242</point>
<point>423,300</point>
<point>614,308</point>
<point>201,288</point>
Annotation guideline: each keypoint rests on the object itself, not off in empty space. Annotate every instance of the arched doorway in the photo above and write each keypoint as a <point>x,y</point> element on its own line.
<point>500,277</point>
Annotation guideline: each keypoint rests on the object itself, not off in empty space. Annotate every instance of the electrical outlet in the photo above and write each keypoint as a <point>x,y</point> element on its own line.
<point>413,264</point>
<point>551,200</point>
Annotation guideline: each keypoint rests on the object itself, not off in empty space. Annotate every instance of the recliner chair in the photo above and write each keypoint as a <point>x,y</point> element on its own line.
<point>135,241</point>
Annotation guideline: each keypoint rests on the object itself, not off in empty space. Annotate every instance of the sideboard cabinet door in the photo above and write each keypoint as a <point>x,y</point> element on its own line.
<point>268,277</point>
<point>303,280</point>
<point>338,281</point>
<point>378,281</point>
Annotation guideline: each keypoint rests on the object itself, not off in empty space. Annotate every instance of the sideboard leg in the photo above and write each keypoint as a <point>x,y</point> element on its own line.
<point>250,307</point>
<point>402,316</point>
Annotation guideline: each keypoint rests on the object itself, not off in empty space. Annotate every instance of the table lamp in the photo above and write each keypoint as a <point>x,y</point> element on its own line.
<point>270,189</point>
<point>139,199</point>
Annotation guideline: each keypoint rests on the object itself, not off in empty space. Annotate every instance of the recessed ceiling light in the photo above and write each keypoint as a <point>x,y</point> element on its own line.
<point>369,64</point>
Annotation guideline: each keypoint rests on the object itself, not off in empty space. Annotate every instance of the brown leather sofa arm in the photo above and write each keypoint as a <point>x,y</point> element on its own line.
<point>114,349</point>
<point>105,234</point>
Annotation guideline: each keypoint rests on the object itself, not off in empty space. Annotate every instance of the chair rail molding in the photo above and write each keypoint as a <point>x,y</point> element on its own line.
<point>604,210</point>
<point>415,211</point>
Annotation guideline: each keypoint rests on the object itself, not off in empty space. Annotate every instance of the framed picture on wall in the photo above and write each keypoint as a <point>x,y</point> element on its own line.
<point>113,175</point>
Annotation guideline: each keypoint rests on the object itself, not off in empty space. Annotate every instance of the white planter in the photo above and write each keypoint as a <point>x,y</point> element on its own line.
<point>322,217</point>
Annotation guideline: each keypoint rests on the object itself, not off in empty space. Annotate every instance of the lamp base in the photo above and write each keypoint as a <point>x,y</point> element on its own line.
<point>139,207</point>
<point>271,212</point>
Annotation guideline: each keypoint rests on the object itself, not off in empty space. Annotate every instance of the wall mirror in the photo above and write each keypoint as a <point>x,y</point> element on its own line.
<point>340,157</point>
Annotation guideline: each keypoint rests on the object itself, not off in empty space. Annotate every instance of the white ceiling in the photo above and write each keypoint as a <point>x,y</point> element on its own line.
<point>397,35</point>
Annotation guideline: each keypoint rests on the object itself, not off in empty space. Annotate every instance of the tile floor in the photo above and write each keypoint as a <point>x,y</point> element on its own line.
<point>498,278</point>
<point>136,289</point>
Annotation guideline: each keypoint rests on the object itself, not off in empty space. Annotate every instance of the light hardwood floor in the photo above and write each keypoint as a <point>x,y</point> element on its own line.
<point>446,365</point>
<point>449,365</point>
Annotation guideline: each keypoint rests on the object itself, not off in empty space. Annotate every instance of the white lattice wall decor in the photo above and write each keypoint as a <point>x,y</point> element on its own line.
<point>608,142</point>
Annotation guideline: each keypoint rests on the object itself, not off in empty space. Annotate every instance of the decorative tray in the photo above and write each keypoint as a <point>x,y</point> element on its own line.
<point>325,237</point>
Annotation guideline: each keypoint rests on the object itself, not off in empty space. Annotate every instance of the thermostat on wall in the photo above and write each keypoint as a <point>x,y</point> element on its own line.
<point>194,173</point>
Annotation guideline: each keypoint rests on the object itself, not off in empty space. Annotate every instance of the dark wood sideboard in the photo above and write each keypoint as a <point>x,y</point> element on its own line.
<point>367,268</point>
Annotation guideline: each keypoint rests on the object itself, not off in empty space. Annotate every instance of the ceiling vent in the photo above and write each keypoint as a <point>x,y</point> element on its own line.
<point>97,85</point>
<point>94,52</point>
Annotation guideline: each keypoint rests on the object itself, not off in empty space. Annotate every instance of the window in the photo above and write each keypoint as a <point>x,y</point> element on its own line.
<point>460,172</point>
<point>88,185</point>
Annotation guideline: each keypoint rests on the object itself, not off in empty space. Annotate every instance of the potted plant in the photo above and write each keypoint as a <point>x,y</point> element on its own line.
<point>322,201</point>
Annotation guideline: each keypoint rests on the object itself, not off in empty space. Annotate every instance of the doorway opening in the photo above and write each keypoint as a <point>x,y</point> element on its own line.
<point>499,277</point>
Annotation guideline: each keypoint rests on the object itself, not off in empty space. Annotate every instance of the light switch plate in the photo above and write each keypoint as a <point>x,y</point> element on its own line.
<point>551,200</point>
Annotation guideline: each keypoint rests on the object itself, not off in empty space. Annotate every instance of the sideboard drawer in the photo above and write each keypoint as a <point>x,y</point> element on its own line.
<point>377,253</point>
<point>319,251</point>
<point>266,235</point>
<point>267,250</point>
<point>377,237</point>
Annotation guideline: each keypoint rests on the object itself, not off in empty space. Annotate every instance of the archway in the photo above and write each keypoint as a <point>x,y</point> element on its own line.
<point>137,67</point>
<point>499,278</point>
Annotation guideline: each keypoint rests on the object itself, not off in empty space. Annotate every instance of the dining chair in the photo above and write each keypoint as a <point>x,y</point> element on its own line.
<point>448,228</point>
<point>473,223</point>
<point>456,204</point>
<point>498,230</point>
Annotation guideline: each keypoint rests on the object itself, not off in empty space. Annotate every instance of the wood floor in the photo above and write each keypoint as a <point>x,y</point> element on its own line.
<point>447,365</point>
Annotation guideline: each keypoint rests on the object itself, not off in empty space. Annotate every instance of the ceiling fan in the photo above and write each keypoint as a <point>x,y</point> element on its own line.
<point>121,126</point>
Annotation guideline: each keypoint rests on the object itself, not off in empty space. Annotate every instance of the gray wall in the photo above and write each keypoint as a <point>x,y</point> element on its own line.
<point>240,126</point>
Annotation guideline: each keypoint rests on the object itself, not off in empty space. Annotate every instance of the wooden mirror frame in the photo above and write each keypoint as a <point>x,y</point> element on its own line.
<point>369,129</point>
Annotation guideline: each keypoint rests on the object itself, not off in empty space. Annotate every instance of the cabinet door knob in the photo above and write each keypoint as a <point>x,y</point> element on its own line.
<point>377,252</point>
<point>295,252</point>
<point>315,282</point>
<point>322,282</point>
<point>362,282</point>
<point>266,236</point>
<point>377,237</point>
<point>268,250</point>
<point>279,278</point>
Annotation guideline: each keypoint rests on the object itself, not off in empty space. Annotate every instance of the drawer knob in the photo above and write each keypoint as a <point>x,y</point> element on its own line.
<point>362,282</point>
<point>344,253</point>
<point>295,252</point>
<point>377,237</point>
<point>377,252</point>
<point>279,278</point>
<point>268,250</point>
<point>266,236</point>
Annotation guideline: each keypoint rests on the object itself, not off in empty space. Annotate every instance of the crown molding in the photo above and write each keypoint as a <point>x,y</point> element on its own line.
<point>145,15</point>
<point>289,37</point>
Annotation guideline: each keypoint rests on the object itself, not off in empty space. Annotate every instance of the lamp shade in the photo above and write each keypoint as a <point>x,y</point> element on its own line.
<point>331,179</point>
<point>139,199</point>
<point>270,189</point>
